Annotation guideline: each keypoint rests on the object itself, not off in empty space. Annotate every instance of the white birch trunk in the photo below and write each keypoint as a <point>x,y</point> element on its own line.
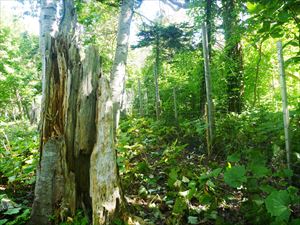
<point>118,72</point>
<point>285,109</point>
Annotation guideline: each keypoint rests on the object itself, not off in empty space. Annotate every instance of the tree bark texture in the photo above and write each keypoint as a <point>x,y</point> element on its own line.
<point>77,168</point>
<point>233,56</point>
<point>118,72</point>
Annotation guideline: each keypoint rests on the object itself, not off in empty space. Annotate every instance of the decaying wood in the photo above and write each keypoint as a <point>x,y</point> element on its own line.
<point>77,167</point>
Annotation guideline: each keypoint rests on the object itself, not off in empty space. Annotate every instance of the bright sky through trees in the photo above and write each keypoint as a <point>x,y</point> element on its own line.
<point>12,8</point>
<point>149,9</point>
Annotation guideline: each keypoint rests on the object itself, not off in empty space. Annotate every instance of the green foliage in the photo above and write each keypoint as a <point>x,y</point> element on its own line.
<point>15,214</point>
<point>277,204</point>
<point>235,176</point>
<point>19,69</point>
<point>19,152</point>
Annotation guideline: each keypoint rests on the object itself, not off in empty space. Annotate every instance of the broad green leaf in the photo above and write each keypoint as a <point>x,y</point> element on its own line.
<point>12,211</point>
<point>216,172</point>
<point>235,176</point>
<point>267,188</point>
<point>193,220</point>
<point>3,221</point>
<point>277,204</point>
<point>259,170</point>
<point>284,16</point>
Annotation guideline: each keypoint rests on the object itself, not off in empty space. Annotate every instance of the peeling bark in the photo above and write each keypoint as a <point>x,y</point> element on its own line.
<point>76,136</point>
<point>104,189</point>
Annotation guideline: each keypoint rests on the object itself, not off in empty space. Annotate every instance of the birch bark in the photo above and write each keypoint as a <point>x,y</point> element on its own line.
<point>118,72</point>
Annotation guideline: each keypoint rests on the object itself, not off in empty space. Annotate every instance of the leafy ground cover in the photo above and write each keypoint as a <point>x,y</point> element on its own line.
<point>18,159</point>
<point>167,177</point>
<point>169,181</point>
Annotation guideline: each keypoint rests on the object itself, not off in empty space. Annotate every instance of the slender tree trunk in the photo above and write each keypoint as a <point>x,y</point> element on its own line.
<point>209,17</point>
<point>210,113</point>
<point>146,99</point>
<point>156,75</point>
<point>257,74</point>
<point>19,104</point>
<point>118,72</point>
<point>141,109</point>
<point>77,168</point>
<point>175,105</point>
<point>233,54</point>
<point>285,109</point>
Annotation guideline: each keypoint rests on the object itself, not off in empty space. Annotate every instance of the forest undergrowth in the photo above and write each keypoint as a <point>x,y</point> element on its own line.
<point>168,178</point>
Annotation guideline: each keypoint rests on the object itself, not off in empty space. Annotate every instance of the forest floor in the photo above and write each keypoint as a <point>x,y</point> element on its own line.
<point>160,174</point>
<point>167,178</point>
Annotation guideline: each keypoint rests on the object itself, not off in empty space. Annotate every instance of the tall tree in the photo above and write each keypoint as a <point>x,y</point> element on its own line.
<point>77,167</point>
<point>118,72</point>
<point>209,20</point>
<point>233,56</point>
<point>166,41</point>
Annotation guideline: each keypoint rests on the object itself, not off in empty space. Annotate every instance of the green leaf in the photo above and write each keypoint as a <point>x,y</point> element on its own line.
<point>293,60</point>
<point>251,7</point>
<point>235,157</point>
<point>213,173</point>
<point>179,206</point>
<point>267,188</point>
<point>284,16</point>
<point>266,26</point>
<point>12,211</point>
<point>193,220</point>
<point>259,170</point>
<point>172,176</point>
<point>277,204</point>
<point>235,176</point>
<point>12,179</point>
<point>3,221</point>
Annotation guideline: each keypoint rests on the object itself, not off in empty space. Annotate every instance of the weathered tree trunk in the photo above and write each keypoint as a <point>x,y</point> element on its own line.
<point>77,168</point>
<point>118,72</point>
<point>234,59</point>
